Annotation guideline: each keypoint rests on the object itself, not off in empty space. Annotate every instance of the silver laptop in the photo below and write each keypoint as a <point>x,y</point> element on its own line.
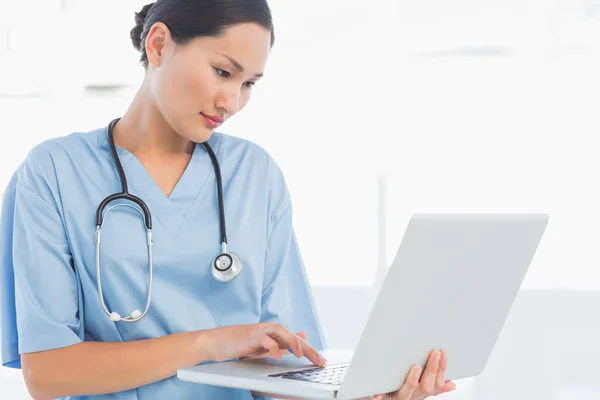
<point>451,287</point>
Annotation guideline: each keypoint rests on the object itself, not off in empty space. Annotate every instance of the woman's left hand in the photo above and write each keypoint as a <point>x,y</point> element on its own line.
<point>432,382</point>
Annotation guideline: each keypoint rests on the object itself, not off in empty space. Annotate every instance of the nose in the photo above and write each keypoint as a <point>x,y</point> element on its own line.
<point>228,100</point>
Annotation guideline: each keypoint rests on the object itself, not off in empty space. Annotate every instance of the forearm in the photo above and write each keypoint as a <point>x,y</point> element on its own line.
<point>91,368</point>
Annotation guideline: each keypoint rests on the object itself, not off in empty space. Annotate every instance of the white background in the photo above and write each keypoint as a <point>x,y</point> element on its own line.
<point>460,106</point>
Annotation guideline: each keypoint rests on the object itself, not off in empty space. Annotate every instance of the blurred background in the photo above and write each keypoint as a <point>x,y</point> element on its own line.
<point>383,108</point>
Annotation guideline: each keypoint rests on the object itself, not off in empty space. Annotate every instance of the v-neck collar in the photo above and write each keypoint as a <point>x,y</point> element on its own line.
<point>169,211</point>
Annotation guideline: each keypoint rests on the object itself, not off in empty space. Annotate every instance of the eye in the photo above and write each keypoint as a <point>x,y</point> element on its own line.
<point>222,73</point>
<point>249,84</point>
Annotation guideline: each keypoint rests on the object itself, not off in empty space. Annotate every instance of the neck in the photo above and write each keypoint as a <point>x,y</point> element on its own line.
<point>144,132</point>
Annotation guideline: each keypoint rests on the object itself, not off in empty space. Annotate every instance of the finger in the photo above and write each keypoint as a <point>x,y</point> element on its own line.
<point>263,354</point>
<point>295,343</point>
<point>302,335</point>
<point>440,380</point>
<point>384,396</point>
<point>283,344</point>
<point>257,354</point>
<point>428,381</point>
<point>266,342</point>
<point>411,383</point>
<point>449,386</point>
<point>312,354</point>
<point>302,348</point>
<point>286,339</point>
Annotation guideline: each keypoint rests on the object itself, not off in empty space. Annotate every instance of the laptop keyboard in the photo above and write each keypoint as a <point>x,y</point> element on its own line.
<point>332,375</point>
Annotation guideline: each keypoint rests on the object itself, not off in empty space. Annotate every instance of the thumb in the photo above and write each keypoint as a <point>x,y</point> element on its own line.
<point>448,387</point>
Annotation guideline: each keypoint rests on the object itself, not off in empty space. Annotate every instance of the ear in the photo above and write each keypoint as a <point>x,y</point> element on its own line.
<point>159,37</point>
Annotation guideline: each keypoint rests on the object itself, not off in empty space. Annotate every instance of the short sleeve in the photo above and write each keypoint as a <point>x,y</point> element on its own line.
<point>287,297</point>
<point>39,300</point>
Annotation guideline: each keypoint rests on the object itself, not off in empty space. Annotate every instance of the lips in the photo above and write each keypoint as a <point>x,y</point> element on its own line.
<point>212,120</point>
<point>218,120</point>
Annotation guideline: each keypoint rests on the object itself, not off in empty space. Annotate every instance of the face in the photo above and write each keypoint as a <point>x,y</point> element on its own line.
<point>210,78</point>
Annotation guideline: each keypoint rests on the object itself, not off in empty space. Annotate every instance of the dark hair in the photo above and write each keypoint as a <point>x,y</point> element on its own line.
<point>188,19</point>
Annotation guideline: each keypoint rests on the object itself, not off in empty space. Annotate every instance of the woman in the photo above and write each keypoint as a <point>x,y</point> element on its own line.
<point>78,315</point>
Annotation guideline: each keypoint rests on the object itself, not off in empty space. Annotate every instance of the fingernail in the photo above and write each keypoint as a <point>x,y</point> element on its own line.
<point>417,372</point>
<point>436,356</point>
<point>444,357</point>
<point>322,361</point>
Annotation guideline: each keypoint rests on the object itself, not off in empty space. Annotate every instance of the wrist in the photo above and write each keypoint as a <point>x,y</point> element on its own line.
<point>203,346</point>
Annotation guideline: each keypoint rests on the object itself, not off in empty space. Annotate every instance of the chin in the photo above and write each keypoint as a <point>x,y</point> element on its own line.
<point>199,134</point>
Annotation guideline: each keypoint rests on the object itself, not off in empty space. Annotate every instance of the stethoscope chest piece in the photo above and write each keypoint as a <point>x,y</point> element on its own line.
<point>226,266</point>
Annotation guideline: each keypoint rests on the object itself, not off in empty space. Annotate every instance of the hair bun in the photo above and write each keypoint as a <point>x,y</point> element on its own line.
<point>136,32</point>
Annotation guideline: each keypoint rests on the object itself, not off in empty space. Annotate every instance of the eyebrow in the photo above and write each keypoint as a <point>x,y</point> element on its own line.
<point>238,66</point>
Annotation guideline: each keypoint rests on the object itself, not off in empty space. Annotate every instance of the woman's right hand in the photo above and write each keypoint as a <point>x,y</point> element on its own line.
<point>238,341</point>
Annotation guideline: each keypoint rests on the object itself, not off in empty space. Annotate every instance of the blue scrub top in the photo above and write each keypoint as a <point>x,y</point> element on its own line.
<point>48,291</point>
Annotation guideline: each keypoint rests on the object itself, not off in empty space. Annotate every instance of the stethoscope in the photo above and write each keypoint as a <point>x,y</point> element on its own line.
<point>225,266</point>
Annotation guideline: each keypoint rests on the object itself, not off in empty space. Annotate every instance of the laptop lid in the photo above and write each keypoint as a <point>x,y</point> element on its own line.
<point>450,287</point>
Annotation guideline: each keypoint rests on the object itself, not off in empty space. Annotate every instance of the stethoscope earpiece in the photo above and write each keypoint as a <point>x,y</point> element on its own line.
<point>225,266</point>
<point>134,316</point>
